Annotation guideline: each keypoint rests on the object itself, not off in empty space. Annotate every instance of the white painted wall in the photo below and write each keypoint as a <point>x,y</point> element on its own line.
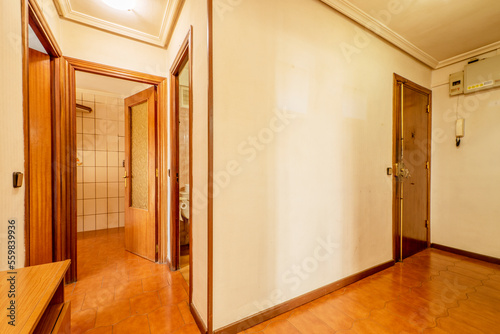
<point>194,13</point>
<point>80,41</point>
<point>303,136</point>
<point>11,134</point>
<point>465,181</point>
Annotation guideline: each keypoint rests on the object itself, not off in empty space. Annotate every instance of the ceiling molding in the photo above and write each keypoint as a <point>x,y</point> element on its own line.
<point>470,54</point>
<point>359,16</point>
<point>169,20</point>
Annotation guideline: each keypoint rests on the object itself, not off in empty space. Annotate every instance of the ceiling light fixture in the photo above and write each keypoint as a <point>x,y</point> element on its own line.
<point>121,4</point>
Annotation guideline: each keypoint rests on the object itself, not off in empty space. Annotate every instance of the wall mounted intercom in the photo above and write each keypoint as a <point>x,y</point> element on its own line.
<point>459,130</point>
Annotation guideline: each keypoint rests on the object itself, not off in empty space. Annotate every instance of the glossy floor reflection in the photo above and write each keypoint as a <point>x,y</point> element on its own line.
<point>431,292</point>
<point>118,292</point>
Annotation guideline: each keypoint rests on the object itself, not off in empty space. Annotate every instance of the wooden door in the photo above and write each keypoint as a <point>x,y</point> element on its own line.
<point>140,174</point>
<point>39,176</point>
<point>412,167</point>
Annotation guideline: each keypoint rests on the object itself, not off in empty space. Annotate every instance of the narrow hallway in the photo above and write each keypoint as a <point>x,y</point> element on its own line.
<point>119,292</point>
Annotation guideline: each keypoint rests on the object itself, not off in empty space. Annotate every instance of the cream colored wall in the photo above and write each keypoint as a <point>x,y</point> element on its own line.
<point>11,135</point>
<point>465,180</point>
<point>52,17</point>
<point>109,49</point>
<point>303,137</point>
<point>195,13</point>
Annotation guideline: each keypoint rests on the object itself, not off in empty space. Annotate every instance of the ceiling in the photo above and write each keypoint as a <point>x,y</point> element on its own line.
<point>437,32</point>
<point>94,82</point>
<point>151,21</point>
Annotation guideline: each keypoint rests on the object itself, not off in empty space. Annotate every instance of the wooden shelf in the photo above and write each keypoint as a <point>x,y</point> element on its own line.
<point>39,299</point>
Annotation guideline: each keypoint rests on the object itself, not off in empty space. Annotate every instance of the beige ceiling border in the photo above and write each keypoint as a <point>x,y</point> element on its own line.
<point>470,54</point>
<point>170,17</point>
<point>356,14</point>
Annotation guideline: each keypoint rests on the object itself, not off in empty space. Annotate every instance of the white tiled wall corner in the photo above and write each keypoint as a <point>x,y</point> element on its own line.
<point>100,153</point>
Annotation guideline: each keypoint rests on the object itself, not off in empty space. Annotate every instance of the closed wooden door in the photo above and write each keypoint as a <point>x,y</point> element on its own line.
<point>140,174</point>
<point>412,167</point>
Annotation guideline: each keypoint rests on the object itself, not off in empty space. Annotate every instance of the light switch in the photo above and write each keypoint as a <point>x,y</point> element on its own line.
<point>17,178</point>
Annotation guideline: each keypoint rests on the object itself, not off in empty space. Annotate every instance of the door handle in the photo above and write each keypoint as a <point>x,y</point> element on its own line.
<point>125,177</point>
<point>402,171</point>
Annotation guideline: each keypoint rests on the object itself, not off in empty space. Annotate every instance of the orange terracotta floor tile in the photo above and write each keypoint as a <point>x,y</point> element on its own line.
<point>430,292</point>
<point>119,292</point>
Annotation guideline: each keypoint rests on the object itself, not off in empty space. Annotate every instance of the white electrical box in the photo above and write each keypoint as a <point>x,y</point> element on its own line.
<point>457,83</point>
<point>460,128</point>
<point>483,74</point>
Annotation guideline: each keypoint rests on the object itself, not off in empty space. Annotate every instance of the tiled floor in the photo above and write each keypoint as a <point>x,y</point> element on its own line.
<point>431,292</point>
<point>118,292</point>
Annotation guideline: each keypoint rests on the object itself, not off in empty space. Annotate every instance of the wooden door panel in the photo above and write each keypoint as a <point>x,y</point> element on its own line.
<point>40,159</point>
<point>415,150</point>
<point>140,166</point>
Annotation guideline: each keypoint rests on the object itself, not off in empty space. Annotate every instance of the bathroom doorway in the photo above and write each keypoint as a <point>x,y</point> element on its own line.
<point>181,124</point>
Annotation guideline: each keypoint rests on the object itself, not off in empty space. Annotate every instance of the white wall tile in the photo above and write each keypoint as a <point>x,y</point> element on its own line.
<point>79,141</point>
<point>79,174</point>
<point>113,205</point>
<point>78,95</point>
<point>79,190</point>
<point>121,189</point>
<point>112,220</point>
<point>101,190</point>
<point>88,158</point>
<point>87,97</point>
<point>113,189</point>
<point>79,125</point>
<point>89,114</point>
<point>121,157</point>
<point>88,142</point>
<point>121,114</point>
<point>88,207</point>
<point>89,223</point>
<point>101,126</point>
<point>111,100</point>
<point>121,144</point>
<point>101,174</point>
<point>112,128</point>
<point>121,204</point>
<point>101,205</point>
<point>88,175</point>
<point>121,219</point>
<point>113,174</point>
<point>79,224</point>
<point>113,159</point>
<point>121,129</point>
<point>79,207</point>
<point>89,190</point>
<point>88,126</point>
<point>112,143</point>
<point>100,99</point>
<point>101,158</point>
<point>101,222</point>
<point>101,142</point>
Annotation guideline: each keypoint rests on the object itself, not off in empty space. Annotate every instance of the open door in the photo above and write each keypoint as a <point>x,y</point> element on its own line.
<point>140,174</point>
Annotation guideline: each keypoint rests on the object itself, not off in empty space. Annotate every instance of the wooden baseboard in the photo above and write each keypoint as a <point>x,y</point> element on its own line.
<point>298,301</point>
<point>197,319</point>
<point>472,255</point>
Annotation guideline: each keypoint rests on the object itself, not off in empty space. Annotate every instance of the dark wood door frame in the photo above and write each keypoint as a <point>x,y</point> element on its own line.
<point>160,83</point>
<point>184,56</point>
<point>396,213</point>
<point>32,16</point>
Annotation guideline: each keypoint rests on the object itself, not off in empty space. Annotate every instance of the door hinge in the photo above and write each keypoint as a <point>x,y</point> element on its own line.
<point>156,248</point>
<point>427,165</point>
<point>428,108</point>
<point>156,172</point>
<point>426,223</point>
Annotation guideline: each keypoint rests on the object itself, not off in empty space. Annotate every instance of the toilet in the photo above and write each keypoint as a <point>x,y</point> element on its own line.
<point>184,215</point>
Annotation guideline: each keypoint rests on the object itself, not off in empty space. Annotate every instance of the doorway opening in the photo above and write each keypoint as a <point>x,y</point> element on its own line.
<point>181,129</point>
<point>411,161</point>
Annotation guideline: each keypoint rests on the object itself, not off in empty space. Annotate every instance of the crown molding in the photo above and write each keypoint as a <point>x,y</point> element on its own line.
<point>469,54</point>
<point>171,14</point>
<point>359,16</point>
